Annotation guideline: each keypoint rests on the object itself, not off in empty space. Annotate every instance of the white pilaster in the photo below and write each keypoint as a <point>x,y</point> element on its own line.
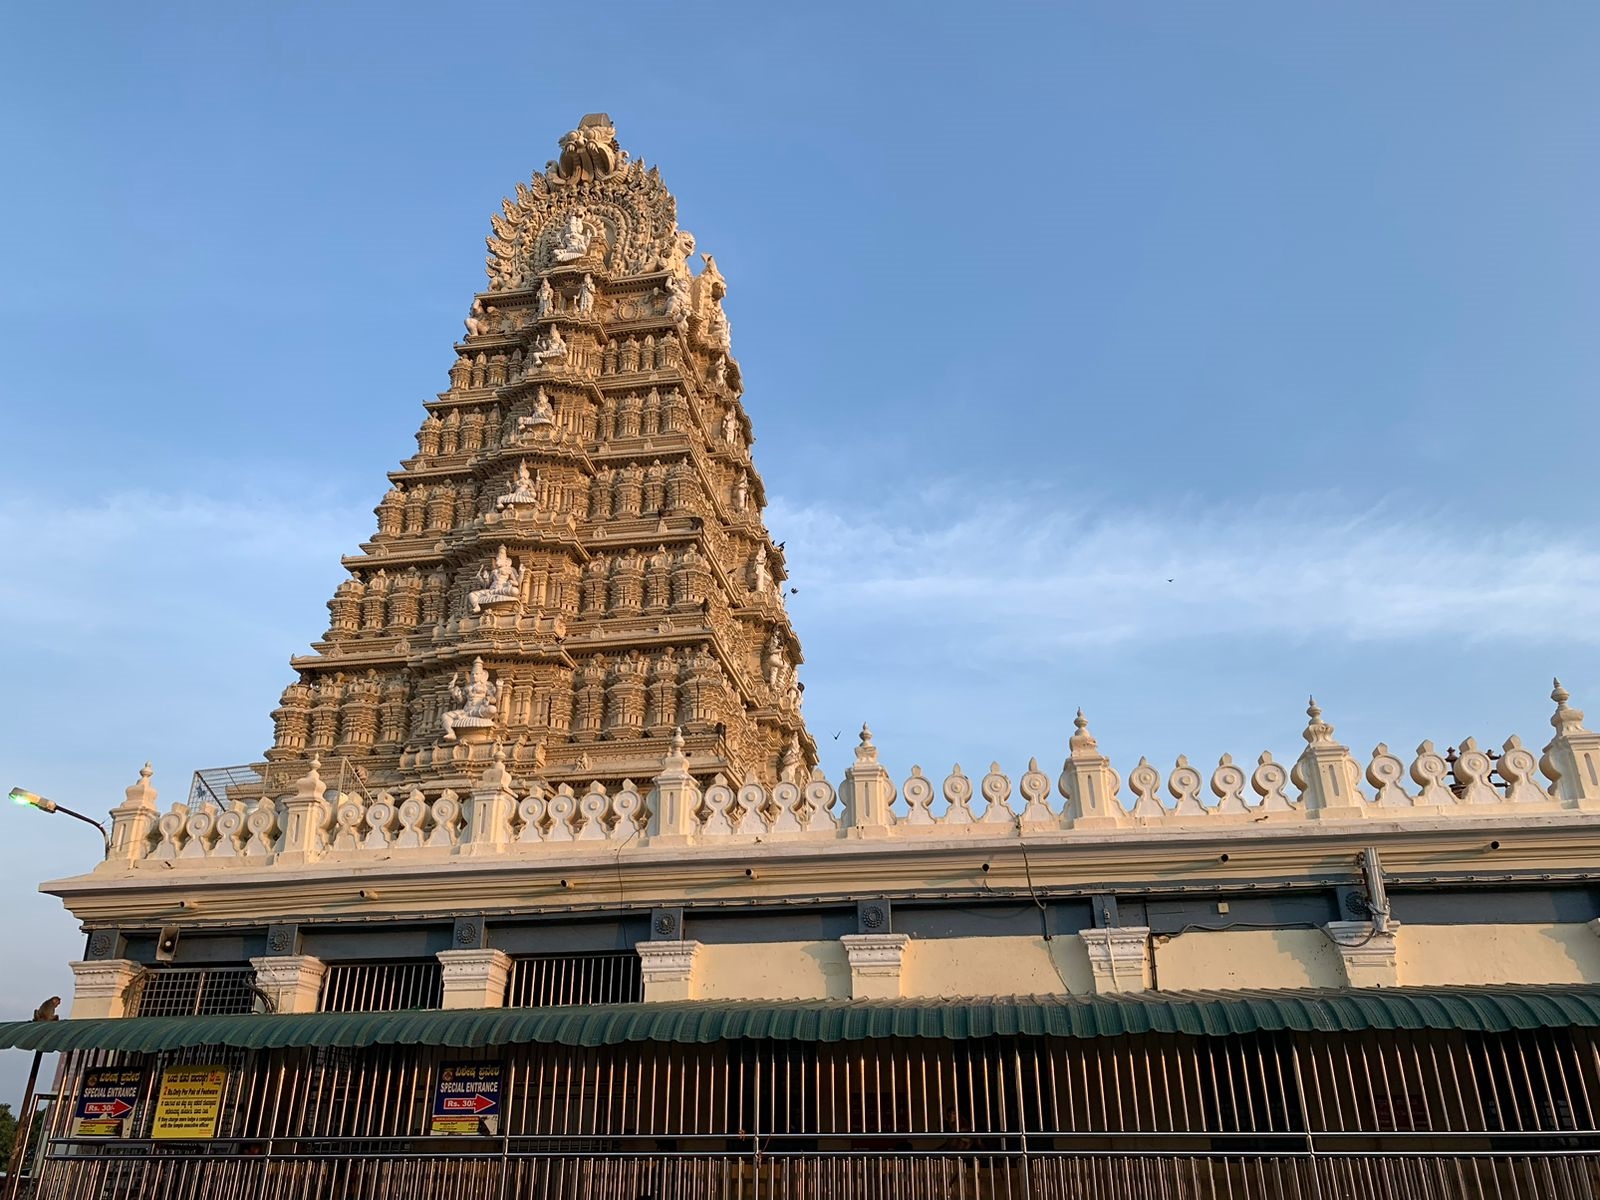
<point>100,987</point>
<point>134,821</point>
<point>867,792</point>
<point>293,982</point>
<point>1119,958</point>
<point>474,978</point>
<point>875,961</point>
<point>668,969</point>
<point>1369,956</point>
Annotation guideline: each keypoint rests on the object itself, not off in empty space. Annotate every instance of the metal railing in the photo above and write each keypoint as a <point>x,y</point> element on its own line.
<point>194,992</point>
<point>381,986</point>
<point>214,783</point>
<point>1410,1116</point>
<point>560,979</point>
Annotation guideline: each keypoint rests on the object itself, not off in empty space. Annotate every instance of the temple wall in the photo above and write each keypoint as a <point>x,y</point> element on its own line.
<point>1452,954</point>
<point>1428,956</point>
<point>1248,958</point>
<point>1000,966</point>
<point>772,971</point>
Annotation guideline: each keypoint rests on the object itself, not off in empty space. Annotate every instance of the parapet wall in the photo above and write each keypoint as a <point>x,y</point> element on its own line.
<point>507,817</point>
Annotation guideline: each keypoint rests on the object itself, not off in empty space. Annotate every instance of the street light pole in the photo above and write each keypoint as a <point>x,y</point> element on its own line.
<point>46,805</point>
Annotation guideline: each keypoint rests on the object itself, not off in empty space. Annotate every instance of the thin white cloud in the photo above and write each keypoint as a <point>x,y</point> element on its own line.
<point>1037,575</point>
<point>143,560</point>
<point>1023,575</point>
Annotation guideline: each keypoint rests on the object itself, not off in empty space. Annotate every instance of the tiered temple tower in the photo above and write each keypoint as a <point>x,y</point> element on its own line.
<point>574,564</point>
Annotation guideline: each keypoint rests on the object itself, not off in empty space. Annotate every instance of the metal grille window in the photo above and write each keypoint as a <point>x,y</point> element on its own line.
<point>195,992</point>
<point>381,986</point>
<point>556,979</point>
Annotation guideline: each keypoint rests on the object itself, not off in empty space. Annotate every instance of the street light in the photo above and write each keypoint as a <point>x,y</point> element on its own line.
<point>46,805</point>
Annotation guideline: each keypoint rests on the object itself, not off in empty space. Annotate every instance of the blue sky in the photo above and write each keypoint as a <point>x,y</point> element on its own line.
<point>1039,307</point>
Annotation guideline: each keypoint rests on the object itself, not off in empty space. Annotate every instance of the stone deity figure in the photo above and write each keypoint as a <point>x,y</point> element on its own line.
<point>545,299</point>
<point>676,259</point>
<point>678,299</point>
<point>480,320</point>
<point>477,701</point>
<point>790,762</point>
<point>550,345</point>
<point>501,582</point>
<point>543,413</point>
<point>774,662</point>
<point>730,427</point>
<point>572,243</point>
<point>761,575</point>
<point>741,492</point>
<point>717,331</point>
<point>521,490</point>
<point>586,295</point>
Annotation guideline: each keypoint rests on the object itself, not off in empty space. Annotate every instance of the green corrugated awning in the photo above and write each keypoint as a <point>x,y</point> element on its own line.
<point>1476,1010</point>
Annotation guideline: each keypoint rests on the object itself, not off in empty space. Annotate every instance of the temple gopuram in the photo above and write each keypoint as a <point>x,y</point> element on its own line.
<point>539,890</point>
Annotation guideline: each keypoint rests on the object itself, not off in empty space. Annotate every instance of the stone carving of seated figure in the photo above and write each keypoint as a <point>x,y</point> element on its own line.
<point>502,581</point>
<point>572,243</point>
<point>521,491</point>
<point>550,345</point>
<point>543,413</point>
<point>477,701</point>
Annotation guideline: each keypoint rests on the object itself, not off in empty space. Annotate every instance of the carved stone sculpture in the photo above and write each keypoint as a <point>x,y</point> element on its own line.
<point>586,295</point>
<point>502,581</point>
<point>481,320</point>
<point>545,300</point>
<point>543,413</point>
<point>550,345</point>
<point>522,492</point>
<point>477,701</point>
<point>572,242</point>
<point>589,152</point>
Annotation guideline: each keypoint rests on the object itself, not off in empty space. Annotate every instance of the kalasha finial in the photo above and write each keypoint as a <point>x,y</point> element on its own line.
<point>1317,730</point>
<point>1081,741</point>
<point>677,739</point>
<point>866,736</point>
<point>145,772</point>
<point>1565,719</point>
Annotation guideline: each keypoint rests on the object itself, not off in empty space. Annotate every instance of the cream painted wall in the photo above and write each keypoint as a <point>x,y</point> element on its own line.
<point>1248,958</point>
<point>772,971</point>
<point>1431,955</point>
<point>995,966</point>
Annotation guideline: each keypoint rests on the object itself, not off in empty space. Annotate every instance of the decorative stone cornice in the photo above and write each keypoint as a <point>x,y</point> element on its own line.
<point>101,986</point>
<point>1369,954</point>
<point>1119,958</point>
<point>875,963</point>
<point>474,978</point>
<point>293,982</point>
<point>667,969</point>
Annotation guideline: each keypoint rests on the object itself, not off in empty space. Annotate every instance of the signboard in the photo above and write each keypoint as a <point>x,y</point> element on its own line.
<point>189,1102</point>
<point>106,1102</point>
<point>467,1098</point>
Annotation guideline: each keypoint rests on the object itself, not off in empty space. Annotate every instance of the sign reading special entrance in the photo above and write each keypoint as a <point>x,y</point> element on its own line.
<point>189,1102</point>
<point>467,1098</point>
<point>106,1102</point>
